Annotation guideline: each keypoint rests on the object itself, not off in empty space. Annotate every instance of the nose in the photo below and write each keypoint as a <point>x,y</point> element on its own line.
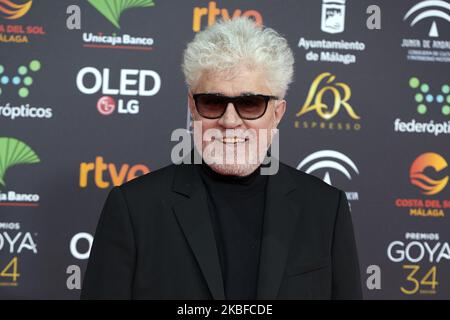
<point>230,119</point>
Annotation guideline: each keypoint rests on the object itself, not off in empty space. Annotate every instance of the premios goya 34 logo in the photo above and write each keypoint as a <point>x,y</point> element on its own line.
<point>130,84</point>
<point>430,103</point>
<point>330,101</point>
<point>14,242</point>
<point>112,10</point>
<point>422,256</point>
<point>14,152</point>
<point>428,175</point>
<point>12,11</point>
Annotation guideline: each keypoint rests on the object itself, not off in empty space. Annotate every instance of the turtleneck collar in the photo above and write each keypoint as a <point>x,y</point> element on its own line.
<point>230,179</point>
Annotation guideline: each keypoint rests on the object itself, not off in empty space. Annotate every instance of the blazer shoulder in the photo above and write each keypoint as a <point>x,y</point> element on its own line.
<point>157,180</point>
<point>314,185</point>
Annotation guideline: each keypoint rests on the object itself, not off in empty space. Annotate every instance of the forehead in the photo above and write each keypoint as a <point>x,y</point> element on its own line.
<point>233,83</point>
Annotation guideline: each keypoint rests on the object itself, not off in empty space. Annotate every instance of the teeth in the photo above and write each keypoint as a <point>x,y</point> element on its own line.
<point>233,140</point>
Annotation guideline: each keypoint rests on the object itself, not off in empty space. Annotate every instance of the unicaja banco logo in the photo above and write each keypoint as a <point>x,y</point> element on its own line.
<point>424,97</point>
<point>22,79</point>
<point>14,152</point>
<point>333,16</point>
<point>324,83</point>
<point>429,10</point>
<point>428,185</point>
<point>12,10</point>
<point>113,9</point>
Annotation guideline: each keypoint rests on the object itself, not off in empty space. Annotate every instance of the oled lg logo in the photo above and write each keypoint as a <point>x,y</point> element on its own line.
<point>132,83</point>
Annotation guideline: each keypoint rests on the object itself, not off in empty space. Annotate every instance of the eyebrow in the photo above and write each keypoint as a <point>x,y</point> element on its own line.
<point>246,93</point>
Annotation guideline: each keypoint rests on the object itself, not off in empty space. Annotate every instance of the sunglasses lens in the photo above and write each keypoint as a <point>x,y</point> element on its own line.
<point>251,107</point>
<point>211,106</point>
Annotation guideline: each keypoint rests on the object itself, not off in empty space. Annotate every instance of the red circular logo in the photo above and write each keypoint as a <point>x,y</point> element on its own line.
<point>106,105</point>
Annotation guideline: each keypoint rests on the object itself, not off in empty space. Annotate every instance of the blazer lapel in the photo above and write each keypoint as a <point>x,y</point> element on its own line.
<point>279,221</point>
<point>280,218</point>
<point>193,216</point>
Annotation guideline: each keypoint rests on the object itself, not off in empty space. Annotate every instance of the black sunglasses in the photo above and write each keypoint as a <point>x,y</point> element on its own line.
<point>248,106</point>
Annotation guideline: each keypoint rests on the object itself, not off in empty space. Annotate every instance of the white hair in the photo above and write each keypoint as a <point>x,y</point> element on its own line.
<point>240,42</point>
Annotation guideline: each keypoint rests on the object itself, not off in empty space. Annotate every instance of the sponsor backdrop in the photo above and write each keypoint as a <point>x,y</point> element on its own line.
<point>90,92</point>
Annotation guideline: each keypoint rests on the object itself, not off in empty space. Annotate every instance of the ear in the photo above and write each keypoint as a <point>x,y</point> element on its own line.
<point>280,109</point>
<point>191,104</point>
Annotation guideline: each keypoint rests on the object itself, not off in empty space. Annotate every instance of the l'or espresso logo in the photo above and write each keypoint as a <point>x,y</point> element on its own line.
<point>129,85</point>
<point>329,100</point>
<point>15,152</point>
<point>428,17</point>
<point>112,11</point>
<point>14,10</point>
<point>13,243</point>
<point>429,175</point>
<point>103,175</point>
<point>207,16</point>
<point>431,102</point>
<point>421,256</point>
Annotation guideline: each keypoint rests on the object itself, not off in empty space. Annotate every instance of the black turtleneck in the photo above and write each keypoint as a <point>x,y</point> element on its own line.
<point>236,206</point>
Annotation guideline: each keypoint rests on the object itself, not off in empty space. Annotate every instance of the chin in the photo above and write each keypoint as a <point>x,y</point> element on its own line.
<point>236,165</point>
<point>240,170</point>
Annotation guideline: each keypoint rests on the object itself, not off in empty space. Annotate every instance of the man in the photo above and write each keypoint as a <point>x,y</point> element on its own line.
<point>221,229</point>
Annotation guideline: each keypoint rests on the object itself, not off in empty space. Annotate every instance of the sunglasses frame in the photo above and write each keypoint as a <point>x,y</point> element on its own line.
<point>267,98</point>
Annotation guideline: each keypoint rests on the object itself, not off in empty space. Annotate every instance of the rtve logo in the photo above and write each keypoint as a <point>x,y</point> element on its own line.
<point>211,12</point>
<point>99,169</point>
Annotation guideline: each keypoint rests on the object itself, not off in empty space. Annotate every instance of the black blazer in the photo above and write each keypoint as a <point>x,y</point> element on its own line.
<point>154,240</point>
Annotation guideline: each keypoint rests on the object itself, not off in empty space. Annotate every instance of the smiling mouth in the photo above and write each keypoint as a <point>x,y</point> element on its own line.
<point>233,140</point>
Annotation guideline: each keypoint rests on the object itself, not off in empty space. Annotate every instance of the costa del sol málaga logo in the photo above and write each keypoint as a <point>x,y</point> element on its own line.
<point>11,10</point>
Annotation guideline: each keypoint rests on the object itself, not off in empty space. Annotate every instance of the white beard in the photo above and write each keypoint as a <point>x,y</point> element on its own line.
<point>239,159</point>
